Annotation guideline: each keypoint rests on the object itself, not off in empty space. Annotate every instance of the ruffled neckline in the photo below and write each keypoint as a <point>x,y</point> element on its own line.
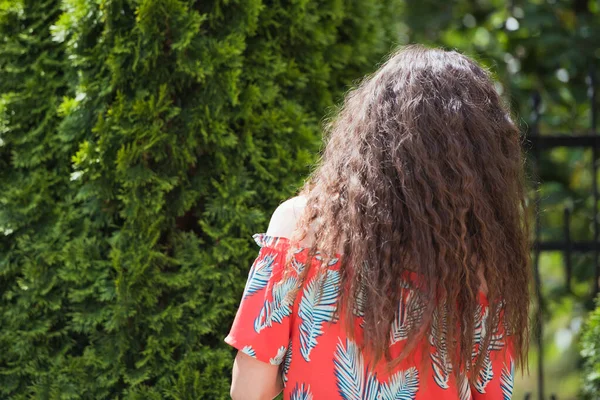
<point>282,243</point>
<point>279,243</point>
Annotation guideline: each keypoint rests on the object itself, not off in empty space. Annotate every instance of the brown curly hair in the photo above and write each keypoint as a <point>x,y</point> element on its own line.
<point>423,172</point>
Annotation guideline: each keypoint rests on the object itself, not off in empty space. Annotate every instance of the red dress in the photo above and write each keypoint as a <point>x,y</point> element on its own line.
<point>320,362</point>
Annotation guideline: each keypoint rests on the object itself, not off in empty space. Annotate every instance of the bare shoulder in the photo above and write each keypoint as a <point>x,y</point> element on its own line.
<point>285,217</point>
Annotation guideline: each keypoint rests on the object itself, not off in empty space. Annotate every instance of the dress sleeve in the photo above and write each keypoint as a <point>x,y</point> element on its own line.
<point>261,327</point>
<point>496,380</point>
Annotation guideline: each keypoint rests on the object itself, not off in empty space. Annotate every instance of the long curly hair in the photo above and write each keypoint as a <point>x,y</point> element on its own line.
<point>423,173</point>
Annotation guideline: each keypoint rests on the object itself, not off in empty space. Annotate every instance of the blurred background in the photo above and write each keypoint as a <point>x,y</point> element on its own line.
<point>143,142</point>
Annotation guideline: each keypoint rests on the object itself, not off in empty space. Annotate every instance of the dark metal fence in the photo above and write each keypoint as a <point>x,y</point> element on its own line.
<point>538,143</point>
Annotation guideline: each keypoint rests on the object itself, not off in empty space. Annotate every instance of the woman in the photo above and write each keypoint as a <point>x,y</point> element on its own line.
<point>401,270</point>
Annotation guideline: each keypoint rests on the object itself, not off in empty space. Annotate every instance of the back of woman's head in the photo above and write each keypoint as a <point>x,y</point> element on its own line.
<point>423,173</point>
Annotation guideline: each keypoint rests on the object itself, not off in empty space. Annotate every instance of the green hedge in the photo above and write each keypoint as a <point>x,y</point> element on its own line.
<point>590,351</point>
<point>141,144</point>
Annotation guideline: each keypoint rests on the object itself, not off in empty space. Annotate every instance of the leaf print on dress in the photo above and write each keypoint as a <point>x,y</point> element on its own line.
<point>507,380</point>
<point>301,392</point>
<point>355,382</point>
<point>259,275</point>
<point>464,389</point>
<point>317,307</point>
<point>479,329</point>
<point>402,385</point>
<point>280,307</point>
<point>349,371</point>
<point>278,359</point>
<point>359,303</point>
<point>409,313</point>
<point>249,351</point>
<point>297,266</point>
<point>332,261</point>
<point>486,374</point>
<point>439,357</point>
<point>287,362</point>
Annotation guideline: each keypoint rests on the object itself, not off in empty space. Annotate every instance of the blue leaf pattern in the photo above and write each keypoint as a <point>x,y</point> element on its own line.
<point>249,351</point>
<point>349,371</point>
<point>507,380</point>
<point>301,392</point>
<point>259,275</point>
<point>439,357</point>
<point>478,328</point>
<point>359,304</point>
<point>332,261</point>
<point>403,385</point>
<point>487,373</point>
<point>280,307</point>
<point>372,388</point>
<point>464,388</point>
<point>278,359</point>
<point>354,382</point>
<point>287,362</point>
<point>410,312</point>
<point>297,266</point>
<point>316,307</point>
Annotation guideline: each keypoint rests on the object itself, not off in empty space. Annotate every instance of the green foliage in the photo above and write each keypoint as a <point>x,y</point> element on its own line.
<point>141,144</point>
<point>590,350</point>
<point>543,45</point>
